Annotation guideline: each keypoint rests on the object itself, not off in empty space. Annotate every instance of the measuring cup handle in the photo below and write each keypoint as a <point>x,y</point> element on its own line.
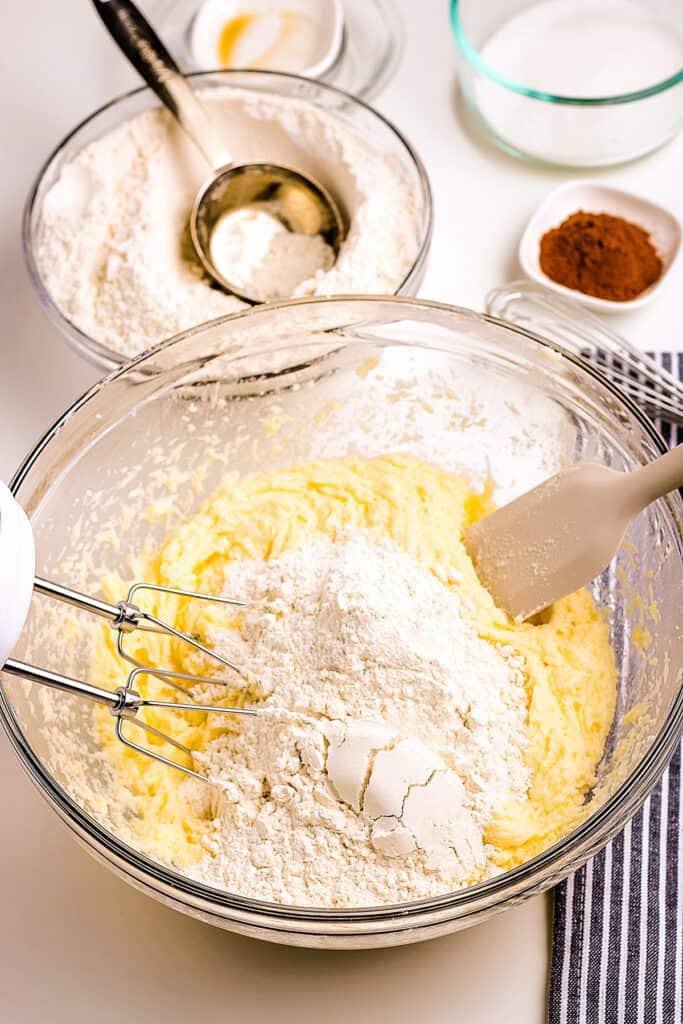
<point>148,55</point>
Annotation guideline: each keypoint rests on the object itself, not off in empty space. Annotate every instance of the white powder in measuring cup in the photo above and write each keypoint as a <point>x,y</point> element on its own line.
<point>258,255</point>
<point>114,249</point>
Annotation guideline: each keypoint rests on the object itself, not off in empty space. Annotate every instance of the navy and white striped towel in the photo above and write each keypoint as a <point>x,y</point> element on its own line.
<point>617,954</point>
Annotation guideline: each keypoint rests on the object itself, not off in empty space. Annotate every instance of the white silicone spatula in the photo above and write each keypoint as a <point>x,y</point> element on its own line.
<point>559,536</point>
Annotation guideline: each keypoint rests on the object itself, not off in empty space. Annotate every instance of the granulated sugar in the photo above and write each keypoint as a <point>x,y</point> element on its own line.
<point>392,733</point>
<point>585,50</point>
<point>115,251</point>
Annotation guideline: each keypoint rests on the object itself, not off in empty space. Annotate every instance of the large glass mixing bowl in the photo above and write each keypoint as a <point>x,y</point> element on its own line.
<point>357,117</point>
<point>319,379</point>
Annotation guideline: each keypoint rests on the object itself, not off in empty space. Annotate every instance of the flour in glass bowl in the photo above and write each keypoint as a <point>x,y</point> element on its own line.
<point>390,736</point>
<point>114,250</point>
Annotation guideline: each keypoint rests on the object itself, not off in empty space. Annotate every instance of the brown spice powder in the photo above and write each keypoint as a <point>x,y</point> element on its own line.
<point>601,255</point>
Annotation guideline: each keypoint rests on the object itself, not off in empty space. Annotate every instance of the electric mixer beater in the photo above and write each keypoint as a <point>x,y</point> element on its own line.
<point>17,584</point>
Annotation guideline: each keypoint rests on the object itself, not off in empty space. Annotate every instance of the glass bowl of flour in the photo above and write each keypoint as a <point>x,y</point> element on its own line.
<point>105,226</point>
<point>277,395</point>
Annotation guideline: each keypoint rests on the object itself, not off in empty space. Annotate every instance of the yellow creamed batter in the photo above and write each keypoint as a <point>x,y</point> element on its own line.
<point>570,666</point>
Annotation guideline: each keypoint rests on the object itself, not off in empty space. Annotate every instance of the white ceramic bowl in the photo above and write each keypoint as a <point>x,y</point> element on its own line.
<point>594,197</point>
<point>325,16</point>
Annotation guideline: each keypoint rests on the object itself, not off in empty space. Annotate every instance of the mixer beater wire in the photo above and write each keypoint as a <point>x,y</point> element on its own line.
<point>126,702</point>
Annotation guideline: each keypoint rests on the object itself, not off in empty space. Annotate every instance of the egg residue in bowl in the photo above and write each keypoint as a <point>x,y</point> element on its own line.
<point>289,35</point>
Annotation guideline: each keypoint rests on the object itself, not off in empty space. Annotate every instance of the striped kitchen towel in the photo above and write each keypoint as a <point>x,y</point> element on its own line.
<point>617,955</point>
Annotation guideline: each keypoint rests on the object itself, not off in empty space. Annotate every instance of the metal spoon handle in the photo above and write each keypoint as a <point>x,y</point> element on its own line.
<point>63,683</point>
<point>148,55</point>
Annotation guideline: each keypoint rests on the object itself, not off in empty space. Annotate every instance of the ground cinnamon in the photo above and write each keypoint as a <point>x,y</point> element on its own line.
<point>600,255</point>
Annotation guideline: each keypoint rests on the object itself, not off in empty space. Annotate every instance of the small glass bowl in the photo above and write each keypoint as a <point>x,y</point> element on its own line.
<point>357,116</point>
<point>568,130</point>
<point>362,376</point>
<point>370,51</point>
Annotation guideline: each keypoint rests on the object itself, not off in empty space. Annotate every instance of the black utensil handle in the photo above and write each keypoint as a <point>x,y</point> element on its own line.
<point>140,43</point>
<point>136,38</point>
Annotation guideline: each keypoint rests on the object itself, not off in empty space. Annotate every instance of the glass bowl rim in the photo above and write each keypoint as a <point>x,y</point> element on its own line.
<point>100,354</point>
<point>474,57</point>
<point>534,874</point>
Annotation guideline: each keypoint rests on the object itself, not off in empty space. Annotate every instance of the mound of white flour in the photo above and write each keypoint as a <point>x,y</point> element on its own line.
<point>392,733</point>
<point>114,249</point>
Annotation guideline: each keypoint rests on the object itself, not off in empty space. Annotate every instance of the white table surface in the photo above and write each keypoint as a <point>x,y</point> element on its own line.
<point>78,944</point>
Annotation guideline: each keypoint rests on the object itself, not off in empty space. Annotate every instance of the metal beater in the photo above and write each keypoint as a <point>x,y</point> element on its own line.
<point>17,584</point>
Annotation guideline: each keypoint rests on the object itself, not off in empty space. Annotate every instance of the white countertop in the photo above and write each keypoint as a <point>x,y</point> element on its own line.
<point>79,944</point>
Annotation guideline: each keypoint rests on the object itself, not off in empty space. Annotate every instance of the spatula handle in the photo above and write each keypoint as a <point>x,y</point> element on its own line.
<point>660,477</point>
